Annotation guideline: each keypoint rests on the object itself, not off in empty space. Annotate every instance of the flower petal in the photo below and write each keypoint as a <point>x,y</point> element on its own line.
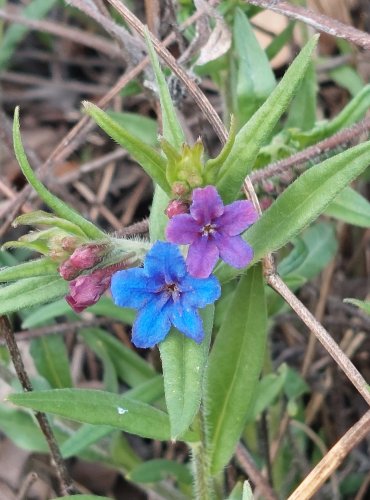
<point>202,257</point>
<point>237,217</point>
<point>164,263</point>
<point>182,229</point>
<point>152,325</point>
<point>188,322</point>
<point>131,288</point>
<point>234,250</point>
<point>207,205</point>
<point>198,292</point>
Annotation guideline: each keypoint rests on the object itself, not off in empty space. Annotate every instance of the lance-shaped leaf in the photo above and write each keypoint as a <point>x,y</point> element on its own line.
<point>31,292</point>
<point>50,356</point>
<point>30,269</point>
<point>172,130</point>
<point>234,367</point>
<point>57,205</point>
<point>257,130</point>
<point>41,218</point>
<point>349,206</point>
<point>362,304</point>
<point>183,363</point>
<point>302,202</point>
<point>151,161</point>
<point>99,408</point>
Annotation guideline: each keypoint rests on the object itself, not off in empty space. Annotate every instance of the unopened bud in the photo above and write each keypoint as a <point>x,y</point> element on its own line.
<point>265,202</point>
<point>86,290</point>
<point>87,256</point>
<point>68,271</point>
<point>180,188</point>
<point>176,207</point>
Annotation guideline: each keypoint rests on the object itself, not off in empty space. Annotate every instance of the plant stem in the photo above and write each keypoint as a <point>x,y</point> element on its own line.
<point>203,483</point>
<point>65,481</point>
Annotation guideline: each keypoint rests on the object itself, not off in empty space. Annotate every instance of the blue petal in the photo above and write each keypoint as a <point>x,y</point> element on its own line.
<point>152,325</point>
<point>132,288</point>
<point>165,262</point>
<point>199,292</point>
<point>188,322</point>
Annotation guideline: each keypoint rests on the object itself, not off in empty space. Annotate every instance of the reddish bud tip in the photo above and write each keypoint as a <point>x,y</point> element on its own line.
<point>87,256</point>
<point>176,207</point>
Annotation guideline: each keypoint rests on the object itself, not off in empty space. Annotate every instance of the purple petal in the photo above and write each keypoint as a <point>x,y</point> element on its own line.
<point>151,326</point>
<point>202,257</point>
<point>131,288</point>
<point>188,322</point>
<point>207,205</point>
<point>234,250</point>
<point>198,292</point>
<point>164,263</point>
<point>182,229</point>
<point>237,217</point>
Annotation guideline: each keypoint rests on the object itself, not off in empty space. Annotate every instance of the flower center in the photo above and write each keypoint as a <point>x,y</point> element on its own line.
<point>172,290</point>
<point>208,229</point>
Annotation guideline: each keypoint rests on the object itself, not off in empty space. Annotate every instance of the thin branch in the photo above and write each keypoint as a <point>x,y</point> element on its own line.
<point>322,335</point>
<point>345,136</point>
<point>332,460</point>
<point>318,21</point>
<point>246,462</point>
<point>66,484</point>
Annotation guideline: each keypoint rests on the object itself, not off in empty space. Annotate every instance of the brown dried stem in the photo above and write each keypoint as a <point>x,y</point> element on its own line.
<point>332,459</point>
<point>252,472</point>
<point>322,335</point>
<point>65,481</point>
<point>318,21</point>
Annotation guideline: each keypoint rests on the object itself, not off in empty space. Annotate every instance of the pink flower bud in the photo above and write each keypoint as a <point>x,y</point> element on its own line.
<point>87,256</point>
<point>68,271</point>
<point>265,202</point>
<point>180,188</point>
<point>86,290</point>
<point>176,207</point>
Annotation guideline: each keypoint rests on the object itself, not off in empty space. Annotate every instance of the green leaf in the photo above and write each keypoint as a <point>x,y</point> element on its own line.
<point>41,218</point>
<point>99,408</point>
<point>105,307</point>
<point>88,434</point>
<point>82,497</point>
<point>156,470</point>
<point>172,130</point>
<point>348,77</point>
<point>58,206</point>
<point>36,9</point>
<point>255,78</point>
<point>302,202</point>
<point>354,111</point>
<point>30,292</point>
<point>234,367</point>
<point>151,161</point>
<point>22,429</point>
<point>109,371</point>
<point>257,130</point>
<point>183,363</point>
<point>130,367</point>
<point>50,356</point>
<point>138,125</point>
<point>279,41</point>
<point>313,250</point>
<point>30,269</point>
<point>349,206</point>
<point>362,304</point>
<point>302,112</point>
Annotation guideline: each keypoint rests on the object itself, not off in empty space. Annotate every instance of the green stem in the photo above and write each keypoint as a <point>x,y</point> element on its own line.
<point>203,483</point>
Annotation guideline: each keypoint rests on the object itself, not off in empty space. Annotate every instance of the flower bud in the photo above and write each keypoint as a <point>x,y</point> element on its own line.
<point>68,271</point>
<point>86,290</point>
<point>176,207</point>
<point>180,188</point>
<point>87,256</point>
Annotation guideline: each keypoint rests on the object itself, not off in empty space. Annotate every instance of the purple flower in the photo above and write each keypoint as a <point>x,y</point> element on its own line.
<point>165,294</point>
<point>212,230</point>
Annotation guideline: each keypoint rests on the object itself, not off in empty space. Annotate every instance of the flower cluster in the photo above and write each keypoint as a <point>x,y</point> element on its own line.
<point>169,291</point>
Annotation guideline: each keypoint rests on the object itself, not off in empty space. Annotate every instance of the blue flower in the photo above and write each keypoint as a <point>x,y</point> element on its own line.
<point>165,294</point>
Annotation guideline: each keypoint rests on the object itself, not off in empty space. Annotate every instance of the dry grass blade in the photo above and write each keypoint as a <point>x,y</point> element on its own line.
<point>332,460</point>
